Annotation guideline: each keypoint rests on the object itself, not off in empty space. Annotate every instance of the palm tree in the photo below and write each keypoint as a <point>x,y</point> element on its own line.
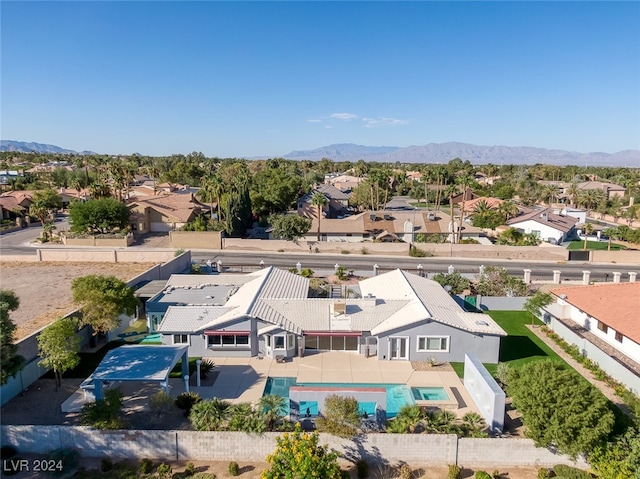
<point>319,201</point>
<point>210,414</point>
<point>210,191</point>
<point>464,182</point>
<point>587,228</point>
<point>549,192</point>
<point>273,407</point>
<point>573,191</point>
<point>411,416</point>
<point>451,191</point>
<point>508,209</point>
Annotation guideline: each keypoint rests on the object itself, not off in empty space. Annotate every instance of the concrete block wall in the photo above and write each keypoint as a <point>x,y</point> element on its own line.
<point>417,449</point>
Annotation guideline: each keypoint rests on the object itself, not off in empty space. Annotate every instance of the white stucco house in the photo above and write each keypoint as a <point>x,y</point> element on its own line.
<point>397,316</point>
<point>547,225</point>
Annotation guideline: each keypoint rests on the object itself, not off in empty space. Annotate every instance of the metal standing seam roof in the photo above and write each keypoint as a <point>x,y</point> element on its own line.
<point>179,319</point>
<point>139,363</point>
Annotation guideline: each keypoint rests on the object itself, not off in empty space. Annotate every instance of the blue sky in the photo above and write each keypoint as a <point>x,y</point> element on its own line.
<point>264,78</point>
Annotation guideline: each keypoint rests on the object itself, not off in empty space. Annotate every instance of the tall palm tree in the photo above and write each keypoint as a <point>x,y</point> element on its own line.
<point>319,201</point>
<point>451,191</point>
<point>508,209</point>
<point>587,229</point>
<point>549,192</point>
<point>210,191</point>
<point>573,191</point>
<point>464,182</point>
<point>273,407</point>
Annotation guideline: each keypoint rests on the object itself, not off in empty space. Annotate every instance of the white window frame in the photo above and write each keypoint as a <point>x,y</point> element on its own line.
<point>229,346</point>
<point>426,338</point>
<point>407,355</point>
<point>284,342</point>
<point>291,341</point>
<point>180,339</point>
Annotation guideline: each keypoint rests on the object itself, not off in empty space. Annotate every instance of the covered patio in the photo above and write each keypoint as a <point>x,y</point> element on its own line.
<point>143,363</point>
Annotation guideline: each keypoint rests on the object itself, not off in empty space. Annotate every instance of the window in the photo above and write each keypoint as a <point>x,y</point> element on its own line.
<point>619,337</point>
<point>267,340</point>
<point>433,343</point>
<point>278,342</point>
<point>180,339</point>
<point>290,341</point>
<point>228,340</point>
<point>536,233</point>
<point>603,327</point>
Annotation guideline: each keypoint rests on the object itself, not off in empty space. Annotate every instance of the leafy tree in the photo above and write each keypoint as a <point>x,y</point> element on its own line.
<point>319,201</point>
<point>496,281</point>
<point>104,413</point>
<point>457,282</point>
<point>58,347</point>
<point>99,216</point>
<point>535,303</point>
<point>341,416</point>
<point>619,459</point>
<point>10,361</point>
<point>273,406</point>
<point>559,408</point>
<point>289,227</point>
<point>275,187</point>
<point>299,456</point>
<point>44,202</point>
<point>210,414</point>
<point>102,300</point>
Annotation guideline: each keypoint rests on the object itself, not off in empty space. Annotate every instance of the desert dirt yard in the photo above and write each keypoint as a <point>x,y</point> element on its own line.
<point>44,289</point>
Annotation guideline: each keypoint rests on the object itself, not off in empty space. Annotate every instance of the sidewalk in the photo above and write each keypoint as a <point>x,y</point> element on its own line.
<point>584,372</point>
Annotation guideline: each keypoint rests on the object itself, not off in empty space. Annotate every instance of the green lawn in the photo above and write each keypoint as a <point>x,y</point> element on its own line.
<point>520,346</point>
<point>595,245</point>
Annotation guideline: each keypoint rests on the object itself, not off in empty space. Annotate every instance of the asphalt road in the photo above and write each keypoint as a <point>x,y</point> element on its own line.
<point>19,242</point>
<point>363,264</point>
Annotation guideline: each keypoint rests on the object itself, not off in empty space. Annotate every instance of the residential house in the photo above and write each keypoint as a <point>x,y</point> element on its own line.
<point>165,212</point>
<point>544,223</point>
<point>15,203</point>
<point>604,320</point>
<point>337,202</point>
<point>388,225</point>
<point>610,190</point>
<point>6,176</point>
<point>344,183</point>
<point>400,316</point>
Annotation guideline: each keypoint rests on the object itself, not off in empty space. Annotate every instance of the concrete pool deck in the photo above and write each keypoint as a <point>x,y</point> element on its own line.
<point>243,379</point>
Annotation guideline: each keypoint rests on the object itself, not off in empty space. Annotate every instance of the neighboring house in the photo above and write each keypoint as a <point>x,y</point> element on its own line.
<point>165,212</point>
<point>15,203</point>
<point>580,215</point>
<point>608,311</point>
<point>470,206</point>
<point>8,175</point>
<point>344,183</point>
<point>337,202</point>
<point>414,176</point>
<point>610,190</point>
<point>69,194</point>
<point>388,225</point>
<point>545,224</point>
<point>401,316</point>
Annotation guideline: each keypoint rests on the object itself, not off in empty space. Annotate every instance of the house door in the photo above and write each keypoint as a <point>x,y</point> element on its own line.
<point>398,348</point>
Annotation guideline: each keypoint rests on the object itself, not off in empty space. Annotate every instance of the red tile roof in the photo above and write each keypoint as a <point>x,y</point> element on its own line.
<point>615,304</point>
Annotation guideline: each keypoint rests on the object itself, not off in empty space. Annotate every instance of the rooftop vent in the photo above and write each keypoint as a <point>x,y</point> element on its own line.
<point>431,216</point>
<point>544,216</point>
<point>386,217</point>
<point>338,308</point>
<point>482,323</point>
<point>372,216</point>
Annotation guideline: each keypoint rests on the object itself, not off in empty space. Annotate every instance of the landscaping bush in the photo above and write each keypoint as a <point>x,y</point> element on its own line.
<point>161,403</point>
<point>64,460</point>
<point>416,252</point>
<point>568,472</point>
<point>454,471</point>
<point>405,472</point>
<point>104,414</point>
<point>106,464</point>
<point>234,469</point>
<point>482,475</point>
<point>164,471</point>
<point>190,470</point>
<point>204,475</point>
<point>544,473</point>
<point>362,468</point>
<point>205,368</point>
<point>146,466</point>
<point>345,251</point>
<point>186,401</point>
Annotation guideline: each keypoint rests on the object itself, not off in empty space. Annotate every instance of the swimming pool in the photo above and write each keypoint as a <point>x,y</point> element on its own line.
<point>429,394</point>
<point>397,395</point>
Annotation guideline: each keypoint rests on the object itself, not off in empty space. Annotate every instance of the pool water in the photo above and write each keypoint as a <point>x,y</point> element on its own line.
<point>398,395</point>
<point>430,394</point>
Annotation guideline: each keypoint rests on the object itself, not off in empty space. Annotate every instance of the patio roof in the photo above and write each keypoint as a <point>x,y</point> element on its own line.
<point>138,363</point>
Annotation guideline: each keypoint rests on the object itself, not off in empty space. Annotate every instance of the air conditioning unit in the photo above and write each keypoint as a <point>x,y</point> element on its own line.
<point>372,216</point>
<point>544,216</point>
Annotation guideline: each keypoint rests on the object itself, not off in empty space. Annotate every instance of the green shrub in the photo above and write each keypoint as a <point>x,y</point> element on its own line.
<point>405,472</point>
<point>345,251</point>
<point>364,250</point>
<point>161,402</point>
<point>164,471</point>
<point>344,474</point>
<point>67,458</point>
<point>496,474</point>
<point>568,472</point>
<point>104,414</point>
<point>234,469</point>
<point>544,473</point>
<point>362,469</point>
<point>187,400</point>
<point>454,471</point>
<point>205,368</point>
<point>204,475</point>
<point>106,464</point>
<point>482,475</point>
<point>146,466</point>
<point>306,272</point>
<point>190,470</point>
<point>416,252</point>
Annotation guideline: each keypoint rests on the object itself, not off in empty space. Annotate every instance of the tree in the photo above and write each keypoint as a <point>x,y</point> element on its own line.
<point>496,281</point>
<point>535,303</point>
<point>10,361</point>
<point>299,456</point>
<point>102,300</point>
<point>44,202</point>
<point>210,192</point>
<point>210,414</point>
<point>245,418</point>
<point>619,459</point>
<point>275,187</point>
<point>58,347</point>
<point>559,408</point>
<point>457,282</point>
<point>289,227</point>
<point>104,215</point>
<point>340,417</point>
<point>273,407</point>
<point>464,182</point>
<point>319,201</point>
<point>587,229</point>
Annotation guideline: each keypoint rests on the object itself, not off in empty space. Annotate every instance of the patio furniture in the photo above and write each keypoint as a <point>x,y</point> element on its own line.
<point>280,358</point>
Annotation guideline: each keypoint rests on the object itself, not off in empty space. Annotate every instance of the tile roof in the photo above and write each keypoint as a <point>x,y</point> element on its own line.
<point>615,304</point>
<point>470,206</point>
<point>558,222</point>
<point>180,207</point>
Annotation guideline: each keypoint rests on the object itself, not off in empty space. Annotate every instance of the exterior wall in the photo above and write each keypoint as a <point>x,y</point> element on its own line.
<point>488,397</point>
<point>612,367</point>
<point>110,256</point>
<point>110,242</point>
<point>501,303</point>
<point>622,256</point>
<point>486,348</point>
<point>415,449</point>
<point>196,239</point>
<point>545,231</point>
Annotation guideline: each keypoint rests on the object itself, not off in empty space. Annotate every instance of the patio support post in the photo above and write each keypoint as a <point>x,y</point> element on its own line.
<point>186,382</point>
<point>185,363</point>
<point>451,269</point>
<point>556,276</point>
<point>375,270</point>
<point>616,276</point>
<point>97,390</point>
<point>198,363</point>
<point>585,277</point>
<point>632,277</point>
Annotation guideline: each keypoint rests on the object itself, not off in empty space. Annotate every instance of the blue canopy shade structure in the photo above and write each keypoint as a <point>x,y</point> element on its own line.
<point>139,363</point>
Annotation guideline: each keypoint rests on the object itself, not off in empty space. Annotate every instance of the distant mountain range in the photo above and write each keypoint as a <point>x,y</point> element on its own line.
<point>431,153</point>
<point>25,147</point>
<point>444,152</point>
